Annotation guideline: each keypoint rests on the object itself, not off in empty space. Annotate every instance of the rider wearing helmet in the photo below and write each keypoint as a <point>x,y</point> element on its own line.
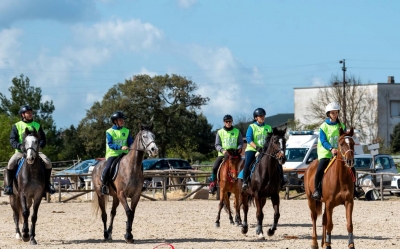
<point>327,145</point>
<point>256,134</point>
<point>18,129</point>
<point>228,137</point>
<point>118,141</point>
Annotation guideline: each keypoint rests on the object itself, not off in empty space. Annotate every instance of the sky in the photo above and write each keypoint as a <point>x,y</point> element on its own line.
<point>241,54</point>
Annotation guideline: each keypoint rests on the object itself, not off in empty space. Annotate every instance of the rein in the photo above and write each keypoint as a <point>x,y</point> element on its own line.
<point>143,144</point>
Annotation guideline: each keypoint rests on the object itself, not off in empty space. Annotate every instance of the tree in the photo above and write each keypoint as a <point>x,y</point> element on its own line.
<point>6,123</point>
<point>360,106</point>
<point>395,139</point>
<point>24,94</point>
<point>72,145</point>
<point>166,101</point>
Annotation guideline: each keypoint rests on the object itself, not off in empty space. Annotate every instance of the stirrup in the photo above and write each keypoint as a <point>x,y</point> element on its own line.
<point>316,195</point>
<point>8,190</point>
<point>104,190</point>
<point>50,189</point>
<point>245,186</point>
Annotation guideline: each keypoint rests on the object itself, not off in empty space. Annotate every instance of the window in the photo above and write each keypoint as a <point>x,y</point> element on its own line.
<point>395,108</point>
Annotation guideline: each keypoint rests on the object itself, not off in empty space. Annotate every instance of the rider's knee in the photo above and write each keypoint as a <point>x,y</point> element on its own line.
<point>12,163</point>
<point>46,161</point>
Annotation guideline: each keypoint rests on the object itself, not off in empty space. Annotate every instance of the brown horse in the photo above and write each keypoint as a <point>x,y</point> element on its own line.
<point>29,187</point>
<point>128,182</point>
<point>227,182</point>
<point>265,182</point>
<point>337,189</point>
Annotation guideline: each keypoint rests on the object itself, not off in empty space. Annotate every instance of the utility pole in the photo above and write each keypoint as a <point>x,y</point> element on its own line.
<point>344,90</point>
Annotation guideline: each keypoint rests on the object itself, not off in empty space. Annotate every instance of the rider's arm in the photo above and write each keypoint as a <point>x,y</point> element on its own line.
<point>110,142</point>
<point>218,143</point>
<point>240,141</point>
<point>324,141</point>
<point>42,142</point>
<point>14,138</point>
<point>249,137</point>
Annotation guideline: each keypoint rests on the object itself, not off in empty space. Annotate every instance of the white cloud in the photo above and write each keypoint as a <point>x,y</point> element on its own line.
<point>9,47</point>
<point>91,98</point>
<point>317,82</point>
<point>186,4</point>
<point>148,72</point>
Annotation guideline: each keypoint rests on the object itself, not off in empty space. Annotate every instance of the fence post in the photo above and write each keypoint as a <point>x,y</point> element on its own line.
<point>381,187</point>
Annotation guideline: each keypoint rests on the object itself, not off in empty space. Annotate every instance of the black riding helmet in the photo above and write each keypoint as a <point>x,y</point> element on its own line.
<point>227,117</point>
<point>117,115</point>
<point>259,112</point>
<point>24,109</point>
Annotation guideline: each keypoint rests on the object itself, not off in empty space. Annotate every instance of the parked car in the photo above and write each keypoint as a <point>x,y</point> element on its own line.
<point>165,164</point>
<point>382,163</point>
<point>80,168</point>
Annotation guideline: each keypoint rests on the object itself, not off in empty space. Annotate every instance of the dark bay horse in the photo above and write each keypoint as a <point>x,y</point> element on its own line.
<point>228,183</point>
<point>29,187</point>
<point>265,182</point>
<point>128,182</point>
<point>337,189</point>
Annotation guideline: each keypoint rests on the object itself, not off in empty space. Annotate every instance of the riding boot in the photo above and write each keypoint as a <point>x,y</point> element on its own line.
<point>316,195</point>
<point>213,187</point>
<point>104,181</point>
<point>245,184</point>
<point>48,187</point>
<point>9,176</point>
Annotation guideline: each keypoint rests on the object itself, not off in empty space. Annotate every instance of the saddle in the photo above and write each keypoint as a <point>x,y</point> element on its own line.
<point>114,168</point>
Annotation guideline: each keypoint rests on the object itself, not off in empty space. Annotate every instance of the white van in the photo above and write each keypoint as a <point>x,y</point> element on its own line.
<point>301,150</point>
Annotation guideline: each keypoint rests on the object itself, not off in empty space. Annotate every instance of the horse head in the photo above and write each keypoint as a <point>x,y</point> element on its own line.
<point>346,147</point>
<point>277,144</point>
<point>30,144</point>
<point>233,159</point>
<point>147,140</point>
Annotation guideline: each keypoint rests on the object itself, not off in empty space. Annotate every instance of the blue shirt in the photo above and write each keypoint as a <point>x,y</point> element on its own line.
<point>116,146</point>
<point>249,132</point>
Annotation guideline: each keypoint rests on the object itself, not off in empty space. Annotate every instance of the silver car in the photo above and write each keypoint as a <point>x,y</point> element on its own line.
<point>382,163</point>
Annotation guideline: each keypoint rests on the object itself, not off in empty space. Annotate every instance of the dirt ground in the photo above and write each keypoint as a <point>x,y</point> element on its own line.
<point>190,224</point>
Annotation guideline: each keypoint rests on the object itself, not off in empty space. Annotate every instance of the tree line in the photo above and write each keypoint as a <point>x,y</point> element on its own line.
<point>168,102</point>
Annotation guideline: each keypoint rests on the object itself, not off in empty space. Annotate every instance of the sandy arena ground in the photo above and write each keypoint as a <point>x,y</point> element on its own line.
<point>190,224</point>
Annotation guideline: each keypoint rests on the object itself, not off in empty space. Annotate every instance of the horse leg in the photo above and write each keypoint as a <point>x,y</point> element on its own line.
<point>25,215</point>
<point>15,207</point>
<point>245,198</point>
<point>130,213</point>
<point>112,216</point>
<point>329,226</point>
<point>275,204</point>
<point>349,218</point>
<point>260,202</point>
<point>220,205</point>
<point>102,204</point>
<point>228,207</point>
<point>36,204</point>
<point>314,215</point>
<point>236,203</point>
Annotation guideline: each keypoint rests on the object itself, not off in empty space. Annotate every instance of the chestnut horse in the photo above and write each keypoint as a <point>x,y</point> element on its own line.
<point>265,182</point>
<point>337,189</point>
<point>127,184</point>
<point>227,182</point>
<point>29,187</point>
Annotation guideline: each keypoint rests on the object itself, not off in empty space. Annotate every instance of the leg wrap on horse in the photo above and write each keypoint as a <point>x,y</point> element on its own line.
<point>328,239</point>
<point>351,238</point>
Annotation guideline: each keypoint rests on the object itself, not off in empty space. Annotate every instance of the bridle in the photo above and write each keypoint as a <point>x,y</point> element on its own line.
<point>279,153</point>
<point>348,162</point>
<point>230,171</point>
<point>142,142</point>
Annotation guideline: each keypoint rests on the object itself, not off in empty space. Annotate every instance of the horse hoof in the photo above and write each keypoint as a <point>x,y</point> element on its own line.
<point>270,232</point>
<point>232,223</point>
<point>18,236</point>
<point>33,241</point>
<point>216,224</point>
<point>25,238</point>
<point>245,229</point>
<point>261,236</point>
<point>328,247</point>
<point>238,224</point>
<point>129,238</point>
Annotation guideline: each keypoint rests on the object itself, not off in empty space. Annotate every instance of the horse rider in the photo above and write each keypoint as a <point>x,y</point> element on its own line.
<point>118,141</point>
<point>228,137</point>
<point>327,146</point>
<point>17,132</point>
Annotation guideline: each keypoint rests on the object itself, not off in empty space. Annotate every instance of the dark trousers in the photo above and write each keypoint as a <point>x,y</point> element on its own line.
<point>323,163</point>
<point>105,174</point>
<point>217,162</point>
<point>249,158</point>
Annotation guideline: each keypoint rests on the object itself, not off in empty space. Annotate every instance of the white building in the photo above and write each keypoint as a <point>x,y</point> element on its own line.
<point>383,108</point>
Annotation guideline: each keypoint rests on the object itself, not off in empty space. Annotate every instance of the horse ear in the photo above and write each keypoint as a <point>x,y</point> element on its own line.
<point>351,132</point>
<point>151,127</point>
<point>274,130</point>
<point>27,131</point>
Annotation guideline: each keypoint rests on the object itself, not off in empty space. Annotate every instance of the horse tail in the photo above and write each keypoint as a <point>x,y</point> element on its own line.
<point>318,207</point>
<point>250,200</point>
<point>96,205</point>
